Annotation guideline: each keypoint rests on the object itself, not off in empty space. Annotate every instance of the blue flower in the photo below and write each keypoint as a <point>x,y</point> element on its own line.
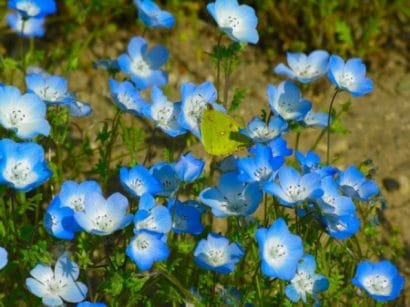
<point>127,97</point>
<point>22,165</point>
<point>78,108</point>
<point>341,227</point>
<point>58,285</point>
<point>279,147</point>
<point>349,76</point>
<point>152,16</point>
<point>332,201</point>
<point>306,281</point>
<point>138,181</point>
<point>311,163</point>
<point>164,113</point>
<point>103,216</point>
<point>237,21</point>
<point>294,188</point>
<point>189,168</point>
<point>33,8</point>
<point>3,257</point>
<point>195,100</point>
<point>228,164</point>
<point>144,66</point>
<point>313,119</point>
<point>51,89</point>
<point>24,114</point>
<point>260,132</point>
<point>59,221</point>
<point>232,196</point>
<point>152,217</point>
<point>305,68</point>
<point>279,250</point>
<point>165,173</point>
<point>380,280</point>
<point>286,100</point>
<point>215,253</point>
<point>186,216</point>
<point>91,304</point>
<point>261,167</point>
<point>33,27</point>
<point>354,184</point>
<point>146,248</point>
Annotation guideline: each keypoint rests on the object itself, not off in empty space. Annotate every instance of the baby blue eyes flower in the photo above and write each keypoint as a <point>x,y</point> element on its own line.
<point>3,257</point>
<point>152,217</point>
<point>138,181</point>
<point>237,21</point>
<point>146,248</point>
<point>215,253</point>
<point>22,165</point>
<point>72,194</point>
<point>168,178</point>
<point>294,188</point>
<point>260,132</point>
<point>59,221</point>
<point>316,119</point>
<point>186,216</point>
<point>24,114</point>
<point>103,216</point>
<point>189,168</point>
<point>380,280</point>
<point>349,76</point>
<point>51,89</point>
<point>144,66</point>
<point>127,97</point>
<point>279,250</point>
<point>279,147</point>
<point>78,108</point>
<point>354,184</point>
<point>286,100</point>
<point>305,68</point>
<point>58,285</point>
<point>164,113</point>
<point>195,100</point>
<point>261,167</point>
<point>33,8</point>
<point>306,281</point>
<point>232,197</point>
<point>152,16</point>
<point>33,27</point>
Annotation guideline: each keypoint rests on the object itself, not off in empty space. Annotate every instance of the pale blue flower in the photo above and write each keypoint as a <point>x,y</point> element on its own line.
<point>33,8</point>
<point>24,114</point>
<point>138,181</point>
<point>3,257</point>
<point>33,27</point>
<point>22,165</point>
<point>144,66</point>
<point>237,21</point>
<point>127,97</point>
<point>189,168</point>
<point>152,16</point>
<point>260,132</point>
<point>305,68</point>
<point>58,285</point>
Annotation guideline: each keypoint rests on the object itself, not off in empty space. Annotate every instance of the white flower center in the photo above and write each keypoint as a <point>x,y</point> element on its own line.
<point>140,68</point>
<point>378,285</point>
<point>303,282</point>
<point>263,132</point>
<point>296,192</point>
<point>136,184</point>
<point>307,70</point>
<point>346,80</point>
<point>232,22</point>
<point>103,222</point>
<point>77,203</point>
<point>29,7</point>
<point>148,224</point>
<point>277,250</point>
<point>126,100</point>
<point>235,206</point>
<point>216,257</point>
<point>50,94</point>
<point>262,173</point>
<point>142,243</point>
<point>19,173</point>
<point>180,222</point>
<point>16,117</point>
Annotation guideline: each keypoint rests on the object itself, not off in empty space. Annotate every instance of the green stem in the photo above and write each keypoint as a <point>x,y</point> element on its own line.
<point>265,215</point>
<point>297,141</point>
<point>328,125</point>
<point>218,64</point>
<point>113,138</point>
<point>149,149</point>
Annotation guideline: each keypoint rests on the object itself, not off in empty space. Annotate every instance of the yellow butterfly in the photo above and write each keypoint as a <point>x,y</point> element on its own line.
<point>220,133</point>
